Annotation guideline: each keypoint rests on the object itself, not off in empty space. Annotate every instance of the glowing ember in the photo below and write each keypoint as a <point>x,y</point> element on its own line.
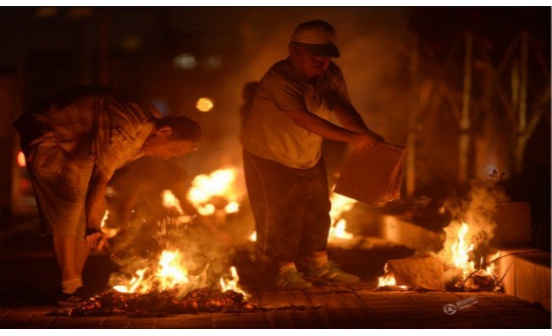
<point>204,104</point>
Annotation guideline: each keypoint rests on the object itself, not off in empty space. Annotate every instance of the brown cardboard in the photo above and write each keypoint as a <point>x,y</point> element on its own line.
<point>372,176</point>
<point>418,272</point>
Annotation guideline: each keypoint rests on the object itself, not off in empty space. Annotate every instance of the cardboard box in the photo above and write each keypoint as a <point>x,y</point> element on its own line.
<point>373,176</point>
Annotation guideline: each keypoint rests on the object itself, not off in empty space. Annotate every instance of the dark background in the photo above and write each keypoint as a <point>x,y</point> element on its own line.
<point>49,49</point>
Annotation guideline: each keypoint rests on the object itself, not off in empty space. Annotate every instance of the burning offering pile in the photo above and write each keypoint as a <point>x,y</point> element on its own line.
<point>466,260</point>
<point>158,304</point>
<point>170,261</point>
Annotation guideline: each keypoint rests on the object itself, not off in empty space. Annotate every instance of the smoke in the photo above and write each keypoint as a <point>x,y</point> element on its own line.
<point>476,210</point>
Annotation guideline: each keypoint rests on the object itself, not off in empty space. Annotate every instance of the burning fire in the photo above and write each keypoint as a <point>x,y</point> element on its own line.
<point>109,232</point>
<point>216,191</point>
<point>209,194</point>
<point>231,283</point>
<point>458,255</point>
<point>340,205</point>
<point>171,202</point>
<point>388,279</point>
<point>171,273</point>
<point>460,251</point>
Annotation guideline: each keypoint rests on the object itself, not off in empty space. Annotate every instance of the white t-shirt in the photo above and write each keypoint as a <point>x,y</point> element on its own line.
<point>270,134</point>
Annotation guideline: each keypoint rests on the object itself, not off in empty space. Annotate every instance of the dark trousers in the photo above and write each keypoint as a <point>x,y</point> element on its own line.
<point>291,207</point>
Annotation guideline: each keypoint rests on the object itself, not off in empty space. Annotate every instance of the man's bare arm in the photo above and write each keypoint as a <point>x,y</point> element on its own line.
<point>95,208</point>
<point>351,119</point>
<point>326,129</point>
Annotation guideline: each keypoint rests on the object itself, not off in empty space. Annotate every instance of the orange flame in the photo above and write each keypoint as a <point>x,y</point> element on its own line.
<point>109,232</point>
<point>388,278</point>
<point>460,251</point>
<point>340,205</point>
<point>231,283</point>
<point>169,274</point>
<point>171,202</point>
<point>214,188</point>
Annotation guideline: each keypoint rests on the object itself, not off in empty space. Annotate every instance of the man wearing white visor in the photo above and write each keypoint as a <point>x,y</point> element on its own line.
<point>284,169</point>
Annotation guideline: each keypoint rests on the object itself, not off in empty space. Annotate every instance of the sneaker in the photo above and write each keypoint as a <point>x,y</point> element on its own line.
<point>71,300</point>
<point>331,273</point>
<point>291,280</point>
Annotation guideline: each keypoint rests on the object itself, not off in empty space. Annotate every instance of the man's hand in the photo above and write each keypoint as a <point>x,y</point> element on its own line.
<point>96,239</point>
<point>364,140</point>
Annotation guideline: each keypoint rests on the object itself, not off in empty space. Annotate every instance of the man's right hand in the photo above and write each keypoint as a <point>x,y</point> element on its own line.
<point>364,140</point>
<point>96,239</point>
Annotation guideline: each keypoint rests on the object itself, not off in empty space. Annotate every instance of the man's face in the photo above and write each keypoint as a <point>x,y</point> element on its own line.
<point>310,65</point>
<point>160,146</point>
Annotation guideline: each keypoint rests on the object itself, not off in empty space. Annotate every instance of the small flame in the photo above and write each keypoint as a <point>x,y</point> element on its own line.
<point>388,278</point>
<point>340,205</point>
<point>253,236</point>
<point>109,232</point>
<point>133,283</point>
<point>171,202</point>
<point>491,269</point>
<point>231,284</point>
<point>339,230</point>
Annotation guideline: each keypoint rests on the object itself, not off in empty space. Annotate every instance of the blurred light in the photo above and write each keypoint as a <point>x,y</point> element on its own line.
<point>46,12</point>
<point>204,104</point>
<point>110,192</point>
<point>214,62</point>
<point>232,207</point>
<point>132,43</point>
<point>185,61</point>
<point>21,160</point>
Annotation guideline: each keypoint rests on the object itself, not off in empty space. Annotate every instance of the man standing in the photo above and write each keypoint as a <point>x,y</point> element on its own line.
<point>73,143</point>
<point>282,138</point>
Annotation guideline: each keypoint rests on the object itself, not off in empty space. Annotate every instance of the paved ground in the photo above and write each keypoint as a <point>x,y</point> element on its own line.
<point>29,276</point>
